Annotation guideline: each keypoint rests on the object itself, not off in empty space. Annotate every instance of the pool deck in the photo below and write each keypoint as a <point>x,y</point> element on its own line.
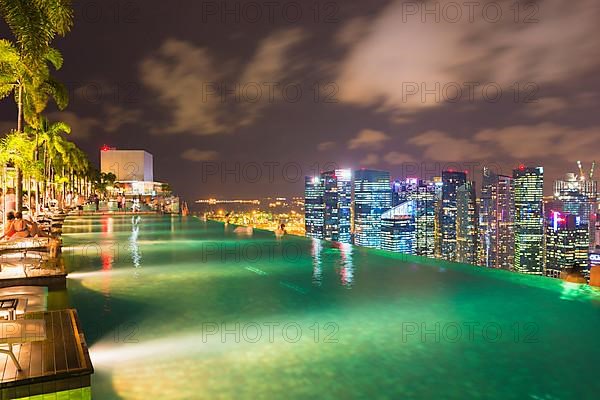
<point>59,363</point>
<point>30,271</point>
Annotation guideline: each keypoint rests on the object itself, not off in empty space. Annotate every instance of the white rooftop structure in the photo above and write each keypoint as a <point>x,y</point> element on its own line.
<point>127,165</point>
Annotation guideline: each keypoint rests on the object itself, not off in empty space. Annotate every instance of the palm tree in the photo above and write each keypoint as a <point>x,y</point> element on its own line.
<point>35,23</point>
<point>24,68</point>
<point>48,137</point>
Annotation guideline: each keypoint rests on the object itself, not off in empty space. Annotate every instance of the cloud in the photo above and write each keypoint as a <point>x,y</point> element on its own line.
<point>323,146</point>
<point>352,31</point>
<point>400,49</point>
<point>368,138</point>
<point>199,155</point>
<point>81,127</point>
<point>207,96</point>
<point>440,146</point>
<point>397,158</point>
<point>370,160</point>
<point>545,106</point>
<point>115,117</point>
<point>544,140</point>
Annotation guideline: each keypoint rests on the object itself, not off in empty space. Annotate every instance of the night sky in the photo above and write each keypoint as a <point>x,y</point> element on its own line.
<point>334,86</point>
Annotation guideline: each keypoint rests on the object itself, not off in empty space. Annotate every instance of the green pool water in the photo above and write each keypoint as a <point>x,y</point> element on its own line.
<point>177,308</point>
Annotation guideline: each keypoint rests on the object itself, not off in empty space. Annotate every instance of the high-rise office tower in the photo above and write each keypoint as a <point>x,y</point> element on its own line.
<point>466,224</point>
<point>579,196</point>
<point>422,197</point>
<point>496,221</point>
<point>337,198</point>
<point>372,197</point>
<point>437,228</point>
<point>529,222</point>
<point>401,190</point>
<point>425,198</point>
<point>314,206</point>
<point>398,228</point>
<point>567,244</point>
<point>451,181</point>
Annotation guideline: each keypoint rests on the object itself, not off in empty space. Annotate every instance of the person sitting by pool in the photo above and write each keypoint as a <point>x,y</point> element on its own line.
<point>9,229</point>
<point>21,227</point>
<point>34,228</point>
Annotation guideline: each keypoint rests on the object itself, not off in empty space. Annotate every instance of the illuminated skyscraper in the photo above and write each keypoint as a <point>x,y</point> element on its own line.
<point>466,224</point>
<point>372,197</point>
<point>398,228</point>
<point>410,226</point>
<point>401,189</point>
<point>496,221</point>
<point>579,196</point>
<point>567,244</point>
<point>337,198</point>
<point>314,207</point>
<point>451,181</point>
<point>529,222</point>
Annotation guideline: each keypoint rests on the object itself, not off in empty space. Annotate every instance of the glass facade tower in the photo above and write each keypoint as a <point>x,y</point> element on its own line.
<point>372,197</point>
<point>496,221</point>
<point>337,198</point>
<point>314,207</point>
<point>451,181</point>
<point>529,221</point>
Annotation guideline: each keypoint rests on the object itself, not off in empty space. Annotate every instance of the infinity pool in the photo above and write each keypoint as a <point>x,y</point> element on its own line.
<point>177,308</point>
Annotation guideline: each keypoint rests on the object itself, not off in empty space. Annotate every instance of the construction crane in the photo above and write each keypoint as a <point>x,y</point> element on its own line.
<point>582,173</point>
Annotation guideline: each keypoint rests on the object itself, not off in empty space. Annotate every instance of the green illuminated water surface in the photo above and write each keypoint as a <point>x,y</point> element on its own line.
<point>177,308</point>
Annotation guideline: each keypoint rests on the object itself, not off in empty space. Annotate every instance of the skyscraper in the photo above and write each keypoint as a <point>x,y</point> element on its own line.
<point>529,224</point>
<point>398,228</point>
<point>496,221</point>
<point>567,244</point>
<point>372,197</point>
<point>451,181</point>
<point>337,198</point>
<point>314,206</point>
<point>466,224</point>
<point>579,196</point>
<point>417,208</point>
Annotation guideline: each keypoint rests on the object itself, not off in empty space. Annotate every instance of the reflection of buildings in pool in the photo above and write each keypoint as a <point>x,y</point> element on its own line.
<point>107,226</point>
<point>107,257</point>
<point>316,249</point>
<point>346,270</point>
<point>136,255</point>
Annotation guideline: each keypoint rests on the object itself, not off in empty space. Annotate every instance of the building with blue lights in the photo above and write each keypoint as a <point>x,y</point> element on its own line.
<point>314,206</point>
<point>398,228</point>
<point>372,197</point>
<point>337,199</point>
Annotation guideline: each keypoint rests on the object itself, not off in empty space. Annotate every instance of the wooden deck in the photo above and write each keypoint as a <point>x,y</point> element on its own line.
<point>57,364</point>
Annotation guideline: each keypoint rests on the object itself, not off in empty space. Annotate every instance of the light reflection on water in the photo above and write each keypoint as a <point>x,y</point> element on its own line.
<point>178,290</point>
<point>316,248</point>
<point>134,248</point>
<point>347,267</point>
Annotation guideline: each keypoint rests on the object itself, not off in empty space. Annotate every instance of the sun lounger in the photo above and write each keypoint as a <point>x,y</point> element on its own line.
<point>24,245</point>
<point>11,313</point>
<point>36,296</point>
<point>19,332</point>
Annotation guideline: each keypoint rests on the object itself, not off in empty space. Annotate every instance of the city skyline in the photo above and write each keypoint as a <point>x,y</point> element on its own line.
<point>506,222</point>
<point>353,53</point>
